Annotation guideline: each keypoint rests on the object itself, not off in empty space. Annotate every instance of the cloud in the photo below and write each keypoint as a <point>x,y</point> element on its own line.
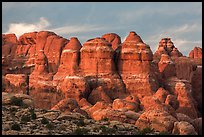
<point>68,29</point>
<point>21,28</point>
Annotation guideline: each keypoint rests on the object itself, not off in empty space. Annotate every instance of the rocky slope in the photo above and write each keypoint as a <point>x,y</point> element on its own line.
<point>105,78</point>
<point>19,117</point>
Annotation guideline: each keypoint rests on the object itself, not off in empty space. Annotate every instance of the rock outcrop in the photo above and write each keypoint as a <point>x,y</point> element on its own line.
<point>166,46</point>
<point>69,60</point>
<point>196,53</point>
<point>97,65</point>
<point>113,38</point>
<point>105,80</point>
<point>134,62</point>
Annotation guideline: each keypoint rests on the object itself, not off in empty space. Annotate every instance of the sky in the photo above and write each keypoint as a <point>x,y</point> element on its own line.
<point>180,21</point>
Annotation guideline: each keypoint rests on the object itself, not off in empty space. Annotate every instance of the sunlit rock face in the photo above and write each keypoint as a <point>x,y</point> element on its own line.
<point>98,66</point>
<point>166,46</point>
<point>134,63</point>
<point>104,78</point>
<point>196,53</point>
<point>112,38</point>
<point>69,60</point>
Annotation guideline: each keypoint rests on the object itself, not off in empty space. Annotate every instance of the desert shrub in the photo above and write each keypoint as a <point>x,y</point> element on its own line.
<point>107,130</point>
<point>44,120</point>
<point>25,118</point>
<point>79,122</point>
<point>145,131</point>
<point>50,126</point>
<point>32,113</point>
<point>16,101</point>
<point>12,109</point>
<point>80,131</point>
<point>16,126</point>
<point>105,119</point>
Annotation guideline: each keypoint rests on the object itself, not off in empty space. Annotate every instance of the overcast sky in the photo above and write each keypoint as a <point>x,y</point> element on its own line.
<point>182,22</point>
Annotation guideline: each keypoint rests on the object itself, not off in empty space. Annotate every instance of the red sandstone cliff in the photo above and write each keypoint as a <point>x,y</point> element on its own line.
<point>105,78</point>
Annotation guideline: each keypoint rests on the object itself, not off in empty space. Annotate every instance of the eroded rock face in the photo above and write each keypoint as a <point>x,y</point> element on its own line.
<point>75,87</point>
<point>19,82</point>
<point>97,57</point>
<point>134,65</point>
<point>196,81</point>
<point>184,67</point>
<point>166,66</point>
<point>196,53</point>
<point>166,46</point>
<point>113,38</point>
<point>106,79</point>
<point>97,65</point>
<point>69,60</point>
<point>183,90</point>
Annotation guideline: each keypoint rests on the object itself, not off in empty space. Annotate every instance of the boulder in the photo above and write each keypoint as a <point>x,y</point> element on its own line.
<point>121,103</point>
<point>98,94</point>
<point>183,128</point>
<point>156,119</point>
<point>197,123</point>
<point>68,104</point>
<point>183,117</point>
<point>161,94</point>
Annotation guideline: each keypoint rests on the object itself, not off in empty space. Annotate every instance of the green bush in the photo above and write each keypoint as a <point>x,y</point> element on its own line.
<point>145,131</point>
<point>16,101</point>
<point>16,126</point>
<point>12,109</point>
<point>25,118</point>
<point>107,130</point>
<point>32,113</point>
<point>80,131</point>
<point>44,120</point>
<point>80,122</point>
<point>50,126</point>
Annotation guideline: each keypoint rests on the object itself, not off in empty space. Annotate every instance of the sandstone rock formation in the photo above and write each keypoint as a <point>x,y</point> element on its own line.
<point>97,65</point>
<point>106,80</point>
<point>69,60</point>
<point>166,66</point>
<point>113,38</point>
<point>166,46</point>
<point>135,66</point>
<point>196,53</point>
<point>156,119</point>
